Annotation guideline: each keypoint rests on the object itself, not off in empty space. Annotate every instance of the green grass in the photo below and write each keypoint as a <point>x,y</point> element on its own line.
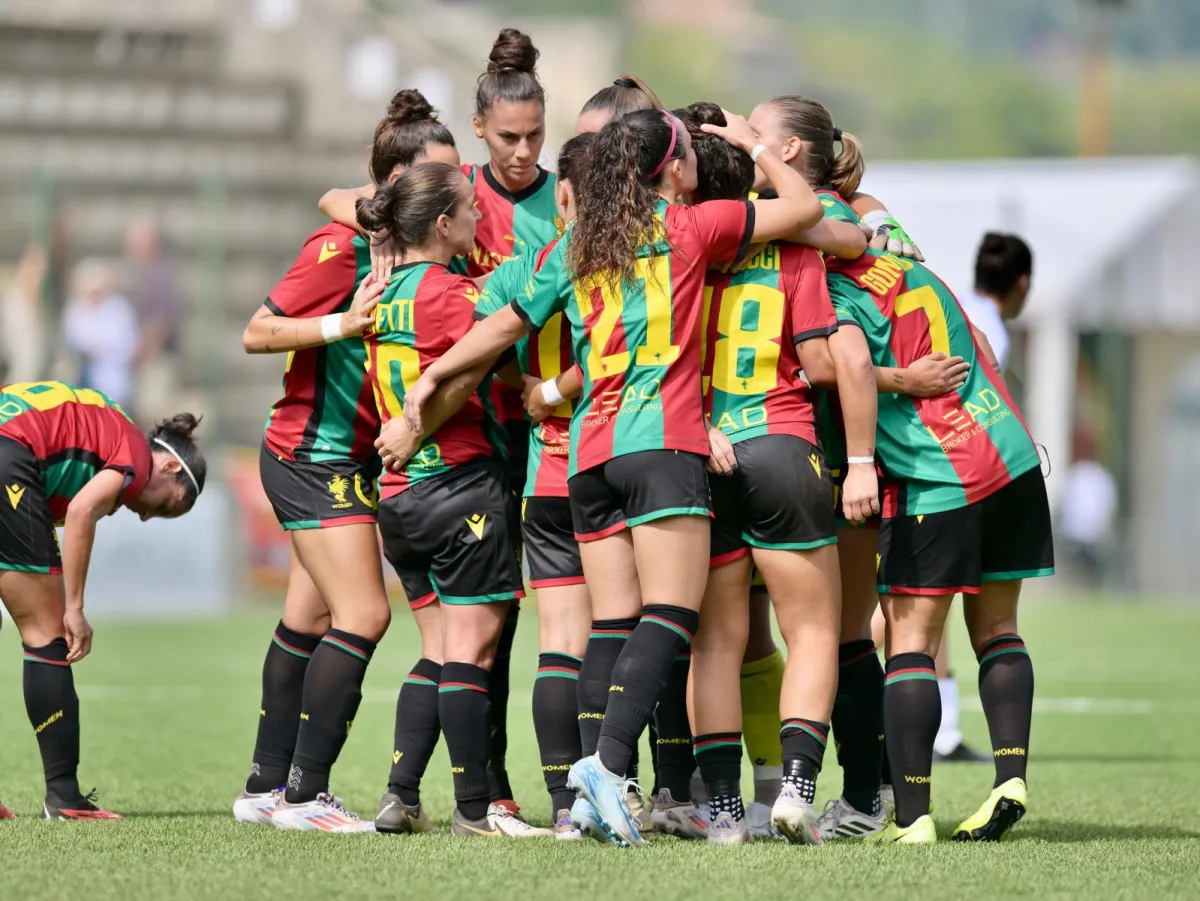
<point>169,715</point>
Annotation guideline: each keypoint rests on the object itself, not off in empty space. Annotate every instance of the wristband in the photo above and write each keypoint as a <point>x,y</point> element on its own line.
<point>756,150</point>
<point>878,219</point>
<point>331,328</point>
<point>550,393</point>
<point>853,461</point>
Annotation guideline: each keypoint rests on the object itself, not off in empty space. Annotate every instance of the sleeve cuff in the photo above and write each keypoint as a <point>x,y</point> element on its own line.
<point>524,317</point>
<point>823,332</point>
<point>747,235</point>
<point>479,315</point>
<point>273,307</point>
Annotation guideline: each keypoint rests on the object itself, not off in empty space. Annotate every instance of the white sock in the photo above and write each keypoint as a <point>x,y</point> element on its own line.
<point>949,736</point>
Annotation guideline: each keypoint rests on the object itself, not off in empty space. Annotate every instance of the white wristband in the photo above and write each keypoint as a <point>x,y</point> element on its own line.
<point>550,393</point>
<point>876,218</point>
<point>331,328</point>
<point>854,461</point>
<point>757,149</point>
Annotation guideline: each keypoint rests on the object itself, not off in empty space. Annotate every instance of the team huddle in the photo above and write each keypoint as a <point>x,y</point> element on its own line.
<point>693,376</point>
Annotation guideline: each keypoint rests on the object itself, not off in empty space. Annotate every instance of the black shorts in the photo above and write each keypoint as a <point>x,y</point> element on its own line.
<point>518,455</point>
<point>551,549</point>
<point>635,489</point>
<point>28,542</point>
<point>1004,536</point>
<point>779,498</point>
<point>319,495</point>
<point>453,536</point>
<point>838,475</point>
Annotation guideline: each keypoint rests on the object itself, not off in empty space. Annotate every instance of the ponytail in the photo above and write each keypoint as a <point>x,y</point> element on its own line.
<point>848,166</point>
<point>808,120</point>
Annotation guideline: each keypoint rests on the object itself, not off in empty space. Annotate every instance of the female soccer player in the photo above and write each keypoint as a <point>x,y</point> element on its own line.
<point>625,95</point>
<point>635,259</point>
<point>446,517</point>
<point>70,456</point>
<point>965,510</point>
<point>318,467</point>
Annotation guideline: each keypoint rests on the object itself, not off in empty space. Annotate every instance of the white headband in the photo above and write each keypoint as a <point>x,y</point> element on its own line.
<point>170,450</point>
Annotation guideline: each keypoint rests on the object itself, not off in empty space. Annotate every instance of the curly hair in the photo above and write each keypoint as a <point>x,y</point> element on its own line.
<point>724,172</point>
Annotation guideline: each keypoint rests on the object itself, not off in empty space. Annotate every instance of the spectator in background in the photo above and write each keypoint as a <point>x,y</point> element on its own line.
<point>22,330</point>
<point>150,282</point>
<point>1003,269</point>
<point>100,328</point>
<point>1087,509</point>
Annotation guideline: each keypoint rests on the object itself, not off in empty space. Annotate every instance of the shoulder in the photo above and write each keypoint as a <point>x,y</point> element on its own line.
<point>835,207</point>
<point>439,281</point>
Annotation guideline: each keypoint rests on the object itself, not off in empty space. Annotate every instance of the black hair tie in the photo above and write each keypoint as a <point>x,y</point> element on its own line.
<point>837,133</point>
<point>623,82</point>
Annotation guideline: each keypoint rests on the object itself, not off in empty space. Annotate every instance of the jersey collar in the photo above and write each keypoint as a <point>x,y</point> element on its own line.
<point>523,194</point>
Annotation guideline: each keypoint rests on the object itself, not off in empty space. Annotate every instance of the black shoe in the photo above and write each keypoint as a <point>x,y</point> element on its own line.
<point>962,753</point>
<point>399,819</point>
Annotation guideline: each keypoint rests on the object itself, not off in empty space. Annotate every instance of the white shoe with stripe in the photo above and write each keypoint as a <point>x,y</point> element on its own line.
<point>325,814</point>
<point>841,820</point>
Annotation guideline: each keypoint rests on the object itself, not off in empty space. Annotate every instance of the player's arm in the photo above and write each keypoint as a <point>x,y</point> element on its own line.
<point>817,362</point>
<point>860,410</point>
<point>538,395</point>
<point>97,499</point>
<point>338,204</point>
<point>887,233</point>
<point>846,240</point>
<point>931,376</point>
<point>271,333</point>
<point>397,442</point>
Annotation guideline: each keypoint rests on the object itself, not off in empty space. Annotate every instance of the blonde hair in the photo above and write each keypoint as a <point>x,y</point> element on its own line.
<point>811,122</point>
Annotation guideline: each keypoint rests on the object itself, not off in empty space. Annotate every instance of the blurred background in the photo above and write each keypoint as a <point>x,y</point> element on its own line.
<point>160,165</point>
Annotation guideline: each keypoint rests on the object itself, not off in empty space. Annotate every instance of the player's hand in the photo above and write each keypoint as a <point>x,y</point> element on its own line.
<point>361,314</point>
<point>721,459</point>
<point>415,399</point>
<point>397,444</point>
<point>385,256</point>
<point>890,236</point>
<point>860,493</point>
<point>935,374</point>
<point>79,635</point>
<point>736,131</point>
<point>535,403</point>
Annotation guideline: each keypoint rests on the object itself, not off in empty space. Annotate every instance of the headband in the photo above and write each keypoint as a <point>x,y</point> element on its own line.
<point>174,453</point>
<point>624,82</point>
<point>670,147</point>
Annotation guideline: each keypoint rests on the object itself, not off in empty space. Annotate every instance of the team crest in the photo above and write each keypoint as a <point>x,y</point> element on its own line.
<point>816,464</point>
<point>338,486</point>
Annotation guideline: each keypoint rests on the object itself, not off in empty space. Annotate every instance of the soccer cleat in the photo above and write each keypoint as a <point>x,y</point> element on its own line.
<point>887,801</point>
<point>460,825</point>
<point>325,814</point>
<point>637,806</point>
<point>962,753</point>
<point>728,830</point>
<point>794,818</point>
<point>506,816</point>
<point>587,821</point>
<point>397,818</point>
<point>999,813</point>
<point>6,814</point>
<point>564,829</point>
<point>681,819</point>
<point>921,832</point>
<point>606,792</point>
<point>55,808</point>
<point>841,820</point>
<point>256,808</point>
<point>758,820</point>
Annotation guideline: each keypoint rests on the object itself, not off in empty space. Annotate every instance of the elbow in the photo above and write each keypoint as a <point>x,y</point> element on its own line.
<point>249,343</point>
<point>821,375</point>
<point>325,204</point>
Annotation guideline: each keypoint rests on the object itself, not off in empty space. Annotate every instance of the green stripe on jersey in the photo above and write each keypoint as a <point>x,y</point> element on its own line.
<point>66,478</point>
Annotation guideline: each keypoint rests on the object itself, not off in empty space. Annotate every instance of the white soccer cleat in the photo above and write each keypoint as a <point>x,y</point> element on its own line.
<point>727,830</point>
<point>256,808</point>
<point>681,819</point>
<point>841,820</point>
<point>511,824</point>
<point>758,821</point>
<point>325,814</point>
<point>564,829</point>
<point>794,818</point>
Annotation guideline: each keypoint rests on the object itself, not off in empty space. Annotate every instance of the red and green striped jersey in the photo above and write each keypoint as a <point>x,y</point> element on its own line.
<point>544,354</point>
<point>936,453</point>
<point>638,343</point>
<point>326,412</point>
<point>754,317</point>
<point>74,433</point>
<point>425,309</point>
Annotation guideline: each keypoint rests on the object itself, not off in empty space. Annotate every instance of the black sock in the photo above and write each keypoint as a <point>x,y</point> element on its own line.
<point>858,724</point>
<point>463,707</point>
<point>53,708</point>
<point>417,730</point>
<point>332,693</point>
<point>639,678</point>
<point>279,710</point>
<point>498,785</point>
<point>1006,692</point>
<point>719,756</point>
<point>804,744</point>
<point>912,712</point>
<point>604,646</point>
<point>555,721</point>
<point>675,765</point>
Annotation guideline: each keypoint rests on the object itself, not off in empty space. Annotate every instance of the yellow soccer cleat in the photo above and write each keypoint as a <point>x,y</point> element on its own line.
<point>921,832</point>
<point>999,813</point>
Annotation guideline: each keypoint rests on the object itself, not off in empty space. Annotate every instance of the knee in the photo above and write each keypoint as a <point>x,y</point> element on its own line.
<point>369,621</point>
<point>988,629</point>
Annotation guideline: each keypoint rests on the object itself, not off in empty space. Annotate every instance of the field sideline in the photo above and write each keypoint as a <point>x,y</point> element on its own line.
<point>169,713</point>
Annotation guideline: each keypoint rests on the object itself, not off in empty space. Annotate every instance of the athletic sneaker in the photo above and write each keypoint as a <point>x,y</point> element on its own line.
<point>842,820</point>
<point>507,817</point>
<point>587,821</point>
<point>637,806</point>
<point>728,830</point>
<point>962,753</point>
<point>887,801</point>
<point>397,818</point>
<point>921,832</point>
<point>325,814</point>
<point>55,808</point>
<point>999,813</point>
<point>681,819</point>
<point>6,814</point>
<point>606,792</point>
<point>256,808</point>
<point>794,818</point>
<point>758,820</point>
<point>564,829</point>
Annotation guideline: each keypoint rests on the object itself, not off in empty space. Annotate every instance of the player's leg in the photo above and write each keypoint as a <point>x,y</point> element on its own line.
<point>761,685</point>
<point>949,746</point>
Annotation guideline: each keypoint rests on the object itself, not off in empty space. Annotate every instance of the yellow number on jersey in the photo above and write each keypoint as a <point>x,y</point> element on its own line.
<point>54,394</point>
<point>390,359</point>
<point>925,298</point>
<point>655,276</point>
<point>763,340</point>
<point>549,350</point>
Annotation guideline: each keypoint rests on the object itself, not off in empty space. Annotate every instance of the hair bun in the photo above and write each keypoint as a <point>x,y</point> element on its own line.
<point>625,82</point>
<point>408,107</point>
<point>512,52</point>
<point>182,424</point>
<point>994,242</point>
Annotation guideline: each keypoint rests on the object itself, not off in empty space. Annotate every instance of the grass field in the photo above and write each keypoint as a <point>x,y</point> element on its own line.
<point>169,715</point>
